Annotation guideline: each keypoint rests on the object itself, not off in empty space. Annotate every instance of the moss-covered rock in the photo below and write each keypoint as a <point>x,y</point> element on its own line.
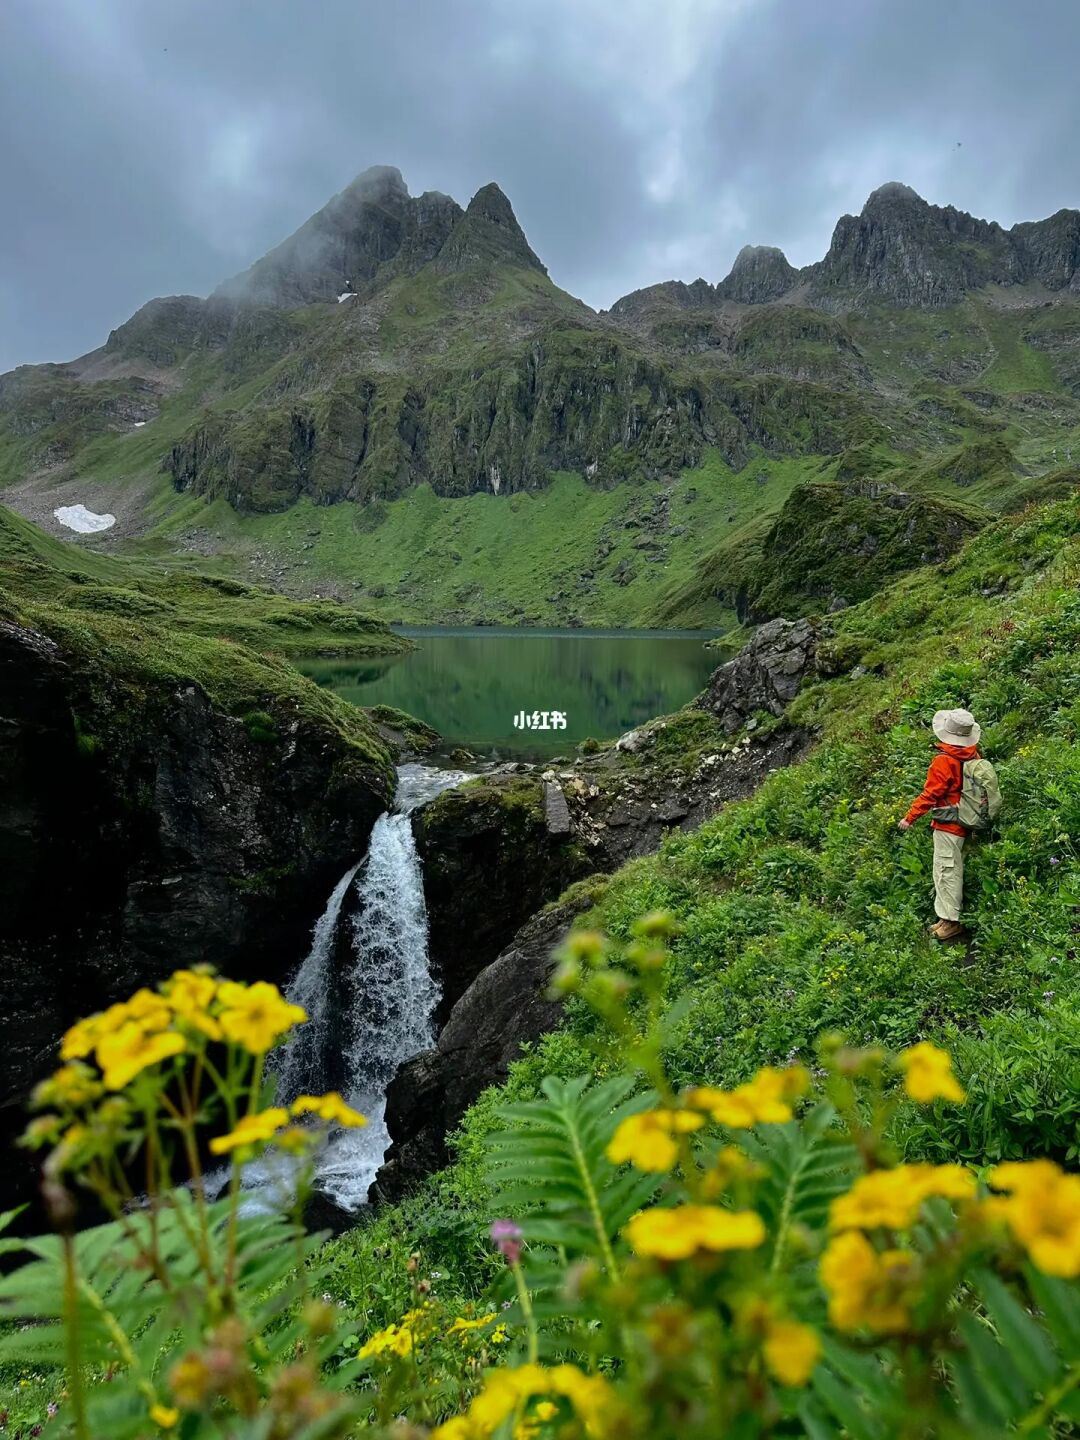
<point>832,545</point>
<point>489,863</point>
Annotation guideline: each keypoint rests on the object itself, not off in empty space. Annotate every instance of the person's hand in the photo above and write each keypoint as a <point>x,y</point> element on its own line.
<point>904,825</point>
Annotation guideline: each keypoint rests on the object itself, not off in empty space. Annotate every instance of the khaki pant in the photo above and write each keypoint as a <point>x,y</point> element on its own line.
<point>948,874</point>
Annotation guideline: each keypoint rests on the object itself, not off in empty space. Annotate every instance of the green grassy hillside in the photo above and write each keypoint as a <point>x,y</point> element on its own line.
<point>37,571</point>
<point>803,910</point>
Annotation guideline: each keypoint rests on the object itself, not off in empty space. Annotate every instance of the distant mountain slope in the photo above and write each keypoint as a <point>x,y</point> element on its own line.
<point>396,342</point>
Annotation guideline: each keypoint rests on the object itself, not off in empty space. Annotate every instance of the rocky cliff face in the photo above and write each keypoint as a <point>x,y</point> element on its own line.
<point>143,827</point>
<point>591,403</point>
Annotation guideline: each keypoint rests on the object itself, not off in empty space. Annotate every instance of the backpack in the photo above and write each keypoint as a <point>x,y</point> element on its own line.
<point>980,798</point>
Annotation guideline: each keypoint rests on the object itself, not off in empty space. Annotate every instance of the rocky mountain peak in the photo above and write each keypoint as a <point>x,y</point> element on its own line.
<point>760,273</point>
<point>904,250</point>
<point>891,191</point>
<point>378,180</point>
<point>488,234</point>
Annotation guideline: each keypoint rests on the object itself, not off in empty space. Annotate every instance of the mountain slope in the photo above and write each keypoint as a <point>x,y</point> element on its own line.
<point>397,344</point>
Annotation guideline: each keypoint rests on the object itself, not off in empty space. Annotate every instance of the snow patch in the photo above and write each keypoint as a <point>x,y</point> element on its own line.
<point>139,424</point>
<point>82,520</point>
<point>348,295</point>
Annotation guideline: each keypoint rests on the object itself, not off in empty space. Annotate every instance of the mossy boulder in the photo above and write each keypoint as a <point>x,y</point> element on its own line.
<point>833,545</point>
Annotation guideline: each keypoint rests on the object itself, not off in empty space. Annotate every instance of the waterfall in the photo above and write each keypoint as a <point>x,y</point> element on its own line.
<point>363,1024</point>
<point>299,1066</point>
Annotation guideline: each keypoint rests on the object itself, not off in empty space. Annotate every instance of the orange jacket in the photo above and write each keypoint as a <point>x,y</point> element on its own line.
<point>943,782</point>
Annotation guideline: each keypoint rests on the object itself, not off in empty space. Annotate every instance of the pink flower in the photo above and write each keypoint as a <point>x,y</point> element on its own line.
<point>507,1237</point>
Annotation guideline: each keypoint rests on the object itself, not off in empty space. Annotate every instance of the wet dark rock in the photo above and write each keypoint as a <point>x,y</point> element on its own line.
<point>186,836</point>
<point>323,1213</point>
<point>556,814</point>
<point>505,1007</point>
<point>766,674</point>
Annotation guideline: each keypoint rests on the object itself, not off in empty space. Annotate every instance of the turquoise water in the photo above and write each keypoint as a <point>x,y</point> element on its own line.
<point>471,683</point>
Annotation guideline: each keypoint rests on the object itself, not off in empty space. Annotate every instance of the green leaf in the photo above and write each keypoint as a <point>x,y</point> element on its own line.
<point>843,1403</point>
<point>1020,1333</point>
<point>996,1368</point>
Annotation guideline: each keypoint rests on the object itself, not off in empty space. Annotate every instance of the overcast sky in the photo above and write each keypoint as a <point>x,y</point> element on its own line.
<point>156,146</point>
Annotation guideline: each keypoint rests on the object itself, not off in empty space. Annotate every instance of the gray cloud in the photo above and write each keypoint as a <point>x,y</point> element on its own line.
<point>154,149</point>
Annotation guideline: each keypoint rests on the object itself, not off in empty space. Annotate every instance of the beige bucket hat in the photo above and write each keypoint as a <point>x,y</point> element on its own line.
<point>956,727</point>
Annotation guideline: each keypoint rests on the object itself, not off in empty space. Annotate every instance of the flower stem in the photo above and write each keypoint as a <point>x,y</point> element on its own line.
<point>527,1311</point>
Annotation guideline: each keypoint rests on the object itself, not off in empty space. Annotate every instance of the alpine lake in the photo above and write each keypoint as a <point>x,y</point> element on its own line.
<point>472,684</point>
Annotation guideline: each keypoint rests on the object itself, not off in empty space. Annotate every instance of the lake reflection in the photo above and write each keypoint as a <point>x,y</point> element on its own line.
<point>469,684</point>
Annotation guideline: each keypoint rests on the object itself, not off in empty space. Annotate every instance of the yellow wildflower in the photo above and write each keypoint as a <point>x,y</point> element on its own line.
<point>891,1199</point>
<point>189,1381</point>
<point>149,1011</point>
<point>254,1016</point>
<point>83,1036</point>
<point>331,1108</point>
<point>865,1288</point>
<point>462,1324</point>
<point>731,1164</point>
<point>295,1140</point>
<point>191,989</point>
<point>72,1084</point>
<point>765,1100</point>
<point>525,1390</point>
<point>1043,1212</point>
<point>647,1140</point>
<point>791,1351</point>
<point>928,1075</point>
<point>164,1415</point>
<point>251,1130</point>
<point>191,993</point>
<point>676,1234</point>
<point>130,1050</point>
<point>394,1340</point>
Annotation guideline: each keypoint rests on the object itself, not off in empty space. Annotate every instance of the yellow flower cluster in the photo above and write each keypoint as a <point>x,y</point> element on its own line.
<point>891,1199</point>
<point>928,1075</point>
<point>251,1130</point>
<point>330,1108</point>
<point>536,1395</point>
<point>401,1338</point>
<point>465,1329</point>
<point>866,1289</point>
<point>764,1100</point>
<point>394,1340</point>
<point>791,1350</point>
<point>256,1016</point>
<point>683,1230</point>
<point>648,1140</point>
<point>265,1125</point>
<point>153,1025</point>
<point>1042,1209</point>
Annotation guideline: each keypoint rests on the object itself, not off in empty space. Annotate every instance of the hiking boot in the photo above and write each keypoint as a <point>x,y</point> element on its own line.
<point>946,930</point>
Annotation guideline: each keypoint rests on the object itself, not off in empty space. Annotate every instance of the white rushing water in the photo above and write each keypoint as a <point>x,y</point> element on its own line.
<point>368,1017</point>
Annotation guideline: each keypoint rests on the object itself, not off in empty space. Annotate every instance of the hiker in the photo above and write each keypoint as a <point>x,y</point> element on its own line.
<point>962,795</point>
